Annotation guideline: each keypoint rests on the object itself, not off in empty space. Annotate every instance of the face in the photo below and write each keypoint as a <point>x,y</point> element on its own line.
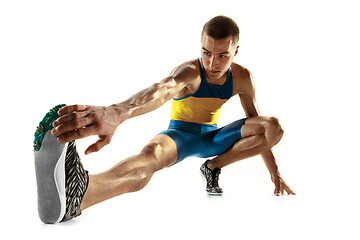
<point>217,55</point>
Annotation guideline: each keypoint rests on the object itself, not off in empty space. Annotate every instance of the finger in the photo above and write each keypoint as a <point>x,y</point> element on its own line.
<point>74,125</point>
<point>98,145</point>
<point>71,108</point>
<point>289,191</point>
<point>69,117</point>
<point>78,134</point>
<point>277,191</point>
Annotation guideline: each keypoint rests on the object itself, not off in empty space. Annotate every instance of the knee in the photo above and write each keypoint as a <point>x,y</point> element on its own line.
<point>153,152</point>
<point>273,131</point>
<point>273,124</point>
<point>140,177</point>
<point>143,169</point>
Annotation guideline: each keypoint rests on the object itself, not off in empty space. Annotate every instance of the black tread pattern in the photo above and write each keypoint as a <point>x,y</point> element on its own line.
<point>212,179</point>
<point>77,180</point>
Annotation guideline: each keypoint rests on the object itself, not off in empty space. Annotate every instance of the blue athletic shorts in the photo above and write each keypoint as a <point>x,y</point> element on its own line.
<point>203,140</point>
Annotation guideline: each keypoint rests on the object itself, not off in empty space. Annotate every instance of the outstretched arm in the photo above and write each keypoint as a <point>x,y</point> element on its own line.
<point>150,98</point>
<point>80,121</point>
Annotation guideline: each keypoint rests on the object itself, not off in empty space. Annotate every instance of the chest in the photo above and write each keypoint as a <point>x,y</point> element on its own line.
<point>214,86</point>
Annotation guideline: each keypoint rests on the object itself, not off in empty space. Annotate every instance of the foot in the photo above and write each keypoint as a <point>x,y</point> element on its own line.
<point>212,179</point>
<point>61,178</point>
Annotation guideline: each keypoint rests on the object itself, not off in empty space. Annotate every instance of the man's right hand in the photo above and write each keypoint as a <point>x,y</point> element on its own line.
<point>80,121</point>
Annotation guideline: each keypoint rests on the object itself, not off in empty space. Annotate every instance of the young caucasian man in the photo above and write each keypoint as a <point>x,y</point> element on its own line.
<point>198,88</point>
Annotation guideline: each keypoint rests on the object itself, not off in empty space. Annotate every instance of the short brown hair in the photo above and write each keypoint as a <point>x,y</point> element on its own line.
<point>221,27</point>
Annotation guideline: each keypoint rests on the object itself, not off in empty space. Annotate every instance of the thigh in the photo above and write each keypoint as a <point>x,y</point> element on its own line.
<point>253,126</point>
<point>186,143</point>
<point>267,126</point>
<point>261,125</point>
<point>219,141</point>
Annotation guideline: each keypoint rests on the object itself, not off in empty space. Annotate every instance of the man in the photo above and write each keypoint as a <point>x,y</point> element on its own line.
<point>199,88</point>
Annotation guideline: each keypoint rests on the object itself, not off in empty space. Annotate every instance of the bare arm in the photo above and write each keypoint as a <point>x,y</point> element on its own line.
<point>150,98</point>
<point>80,121</point>
<point>157,94</point>
<point>248,101</point>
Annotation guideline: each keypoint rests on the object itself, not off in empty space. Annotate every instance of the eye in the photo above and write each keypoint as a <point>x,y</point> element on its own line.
<point>207,53</point>
<point>223,56</point>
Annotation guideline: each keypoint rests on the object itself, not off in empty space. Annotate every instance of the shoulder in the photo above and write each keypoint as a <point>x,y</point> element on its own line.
<point>242,80</point>
<point>187,70</point>
<point>240,73</point>
<point>187,73</point>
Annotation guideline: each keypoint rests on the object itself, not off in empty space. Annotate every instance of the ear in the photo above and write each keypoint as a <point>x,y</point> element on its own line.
<point>236,51</point>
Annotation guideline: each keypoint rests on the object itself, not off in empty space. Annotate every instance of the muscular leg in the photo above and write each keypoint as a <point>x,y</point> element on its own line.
<point>259,134</point>
<point>133,173</point>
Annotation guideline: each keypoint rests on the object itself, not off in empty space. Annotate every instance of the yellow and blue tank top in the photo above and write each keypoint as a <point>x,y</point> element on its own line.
<point>204,105</point>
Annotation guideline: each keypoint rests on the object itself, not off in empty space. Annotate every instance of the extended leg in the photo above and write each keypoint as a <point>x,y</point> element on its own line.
<point>133,173</point>
<point>259,135</point>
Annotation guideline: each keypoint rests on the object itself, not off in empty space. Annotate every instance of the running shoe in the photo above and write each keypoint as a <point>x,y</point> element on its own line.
<point>212,179</point>
<point>60,176</point>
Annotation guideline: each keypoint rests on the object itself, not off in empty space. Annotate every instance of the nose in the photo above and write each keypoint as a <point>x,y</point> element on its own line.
<point>212,62</point>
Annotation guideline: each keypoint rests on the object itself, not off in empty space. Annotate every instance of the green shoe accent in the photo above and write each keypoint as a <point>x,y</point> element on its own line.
<point>45,125</point>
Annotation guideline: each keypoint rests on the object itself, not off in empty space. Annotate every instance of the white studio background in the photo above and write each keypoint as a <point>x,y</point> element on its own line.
<point>303,55</point>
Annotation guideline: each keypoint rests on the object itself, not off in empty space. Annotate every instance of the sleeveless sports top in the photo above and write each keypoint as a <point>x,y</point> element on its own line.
<point>204,105</point>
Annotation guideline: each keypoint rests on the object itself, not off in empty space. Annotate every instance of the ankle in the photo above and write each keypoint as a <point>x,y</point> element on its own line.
<point>210,165</point>
<point>86,201</point>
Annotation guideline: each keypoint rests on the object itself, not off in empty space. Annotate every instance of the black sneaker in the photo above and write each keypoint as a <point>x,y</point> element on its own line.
<point>212,179</point>
<point>61,178</point>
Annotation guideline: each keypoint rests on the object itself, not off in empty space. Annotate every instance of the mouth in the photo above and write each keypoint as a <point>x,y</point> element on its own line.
<point>214,72</point>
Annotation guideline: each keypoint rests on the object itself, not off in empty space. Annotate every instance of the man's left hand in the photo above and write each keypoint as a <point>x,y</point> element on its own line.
<point>281,186</point>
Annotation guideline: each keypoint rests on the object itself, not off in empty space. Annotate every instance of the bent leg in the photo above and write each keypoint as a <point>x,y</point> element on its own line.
<point>131,174</point>
<point>259,134</point>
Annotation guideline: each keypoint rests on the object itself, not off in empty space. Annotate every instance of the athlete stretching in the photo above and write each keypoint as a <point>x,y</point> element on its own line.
<point>199,88</point>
